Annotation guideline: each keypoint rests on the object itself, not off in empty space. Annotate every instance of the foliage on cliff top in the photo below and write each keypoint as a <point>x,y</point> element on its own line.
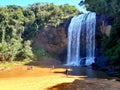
<point>103,6</point>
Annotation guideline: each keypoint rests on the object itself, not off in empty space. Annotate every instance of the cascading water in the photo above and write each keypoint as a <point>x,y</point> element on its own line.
<point>81,38</point>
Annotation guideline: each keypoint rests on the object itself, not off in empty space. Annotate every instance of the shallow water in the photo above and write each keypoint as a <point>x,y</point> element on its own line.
<point>87,72</point>
<point>21,71</point>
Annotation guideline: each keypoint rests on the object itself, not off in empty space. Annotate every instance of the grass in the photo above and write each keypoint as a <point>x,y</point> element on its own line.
<point>13,63</point>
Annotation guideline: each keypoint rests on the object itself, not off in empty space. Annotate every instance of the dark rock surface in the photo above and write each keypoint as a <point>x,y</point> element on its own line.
<point>101,63</point>
<point>52,39</point>
<point>103,27</point>
<point>88,84</point>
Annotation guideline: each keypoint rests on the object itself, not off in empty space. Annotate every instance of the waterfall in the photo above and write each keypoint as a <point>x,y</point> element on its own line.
<point>81,39</point>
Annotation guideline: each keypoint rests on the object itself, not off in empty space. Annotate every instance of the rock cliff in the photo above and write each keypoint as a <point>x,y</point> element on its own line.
<point>54,39</point>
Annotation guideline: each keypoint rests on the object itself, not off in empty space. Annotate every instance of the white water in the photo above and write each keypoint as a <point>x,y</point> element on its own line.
<point>84,23</point>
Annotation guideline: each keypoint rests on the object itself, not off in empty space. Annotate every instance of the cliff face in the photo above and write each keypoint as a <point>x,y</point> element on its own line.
<point>54,39</point>
<point>103,24</point>
<point>103,29</point>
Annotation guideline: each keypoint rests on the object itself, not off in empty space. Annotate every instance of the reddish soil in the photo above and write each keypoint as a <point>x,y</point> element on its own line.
<point>43,68</point>
<point>33,69</point>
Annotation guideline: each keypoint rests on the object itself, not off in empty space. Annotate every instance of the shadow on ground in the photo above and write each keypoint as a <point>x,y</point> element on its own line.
<point>56,65</point>
<point>88,84</point>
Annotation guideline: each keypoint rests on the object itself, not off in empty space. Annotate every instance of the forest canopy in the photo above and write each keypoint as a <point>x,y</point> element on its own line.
<point>18,25</point>
<point>103,6</point>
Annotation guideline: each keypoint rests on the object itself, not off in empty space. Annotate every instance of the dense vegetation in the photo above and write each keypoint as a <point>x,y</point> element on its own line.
<point>18,25</point>
<point>103,6</point>
<point>112,43</point>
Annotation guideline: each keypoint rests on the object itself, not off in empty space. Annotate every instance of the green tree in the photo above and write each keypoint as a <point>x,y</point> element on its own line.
<point>111,45</point>
<point>18,25</point>
<point>11,29</point>
<point>103,6</point>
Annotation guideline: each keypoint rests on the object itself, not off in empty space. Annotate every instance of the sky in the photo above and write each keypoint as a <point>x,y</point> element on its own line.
<point>25,3</point>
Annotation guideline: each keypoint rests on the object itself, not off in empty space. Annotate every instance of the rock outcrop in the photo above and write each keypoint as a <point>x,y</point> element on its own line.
<point>52,39</point>
<point>103,28</point>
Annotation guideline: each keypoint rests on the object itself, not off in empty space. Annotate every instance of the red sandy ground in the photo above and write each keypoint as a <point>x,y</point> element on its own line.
<point>58,81</point>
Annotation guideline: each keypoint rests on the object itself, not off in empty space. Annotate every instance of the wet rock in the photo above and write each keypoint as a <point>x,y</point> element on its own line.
<point>101,63</point>
<point>113,74</point>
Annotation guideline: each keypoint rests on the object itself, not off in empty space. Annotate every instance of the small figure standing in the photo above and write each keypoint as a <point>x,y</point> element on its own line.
<point>67,72</point>
<point>52,68</point>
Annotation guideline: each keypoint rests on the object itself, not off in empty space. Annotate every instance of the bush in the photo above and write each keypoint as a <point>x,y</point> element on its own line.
<point>41,53</point>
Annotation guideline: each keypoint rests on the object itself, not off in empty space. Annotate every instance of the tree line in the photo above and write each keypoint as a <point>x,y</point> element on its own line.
<point>19,24</point>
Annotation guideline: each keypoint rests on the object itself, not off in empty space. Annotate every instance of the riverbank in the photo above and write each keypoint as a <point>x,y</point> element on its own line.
<point>41,76</point>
